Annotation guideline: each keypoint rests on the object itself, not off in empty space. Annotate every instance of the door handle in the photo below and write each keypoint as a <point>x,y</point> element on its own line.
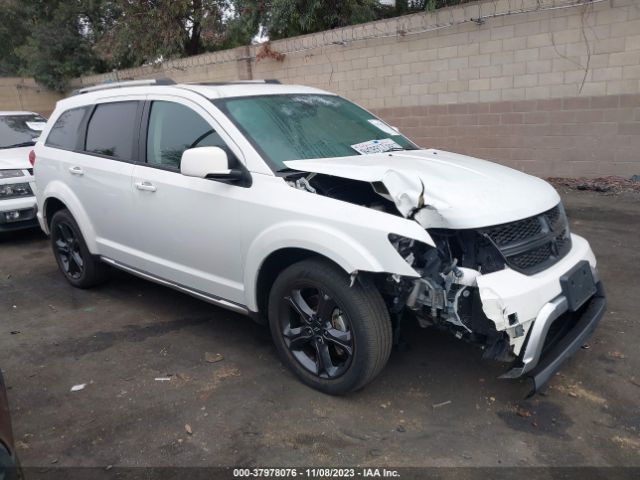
<point>76,171</point>
<point>146,186</point>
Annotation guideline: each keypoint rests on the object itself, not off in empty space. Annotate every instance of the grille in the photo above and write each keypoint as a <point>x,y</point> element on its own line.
<point>503,235</point>
<point>531,258</point>
<point>535,243</point>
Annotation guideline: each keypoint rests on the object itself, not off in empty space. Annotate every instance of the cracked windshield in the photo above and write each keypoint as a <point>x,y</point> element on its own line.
<point>295,127</point>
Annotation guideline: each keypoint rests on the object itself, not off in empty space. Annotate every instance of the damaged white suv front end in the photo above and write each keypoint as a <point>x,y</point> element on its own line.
<point>501,265</point>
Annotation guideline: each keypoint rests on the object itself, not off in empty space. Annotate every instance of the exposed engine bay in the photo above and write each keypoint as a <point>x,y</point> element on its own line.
<point>446,293</point>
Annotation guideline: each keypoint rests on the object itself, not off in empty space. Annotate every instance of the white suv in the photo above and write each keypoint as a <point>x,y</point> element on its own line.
<point>18,134</point>
<point>303,210</point>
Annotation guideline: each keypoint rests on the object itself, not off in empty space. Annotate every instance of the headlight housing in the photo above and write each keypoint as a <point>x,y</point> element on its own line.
<point>11,173</point>
<point>416,253</point>
<point>562,223</point>
<point>14,190</point>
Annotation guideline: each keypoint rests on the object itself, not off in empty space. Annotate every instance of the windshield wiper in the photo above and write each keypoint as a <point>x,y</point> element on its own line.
<point>17,145</point>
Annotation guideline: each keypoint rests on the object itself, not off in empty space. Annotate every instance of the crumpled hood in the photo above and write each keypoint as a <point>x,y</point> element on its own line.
<point>459,191</point>
<point>15,158</point>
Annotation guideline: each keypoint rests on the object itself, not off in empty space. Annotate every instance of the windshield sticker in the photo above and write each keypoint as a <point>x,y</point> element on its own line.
<point>376,146</point>
<point>37,126</point>
<point>383,126</point>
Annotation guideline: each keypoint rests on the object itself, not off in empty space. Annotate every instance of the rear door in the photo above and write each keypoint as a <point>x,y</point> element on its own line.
<point>109,155</point>
<point>187,229</point>
<point>99,171</point>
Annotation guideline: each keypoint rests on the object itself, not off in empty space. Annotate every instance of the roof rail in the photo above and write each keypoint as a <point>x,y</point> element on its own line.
<point>128,83</point>
<point>238,82</point>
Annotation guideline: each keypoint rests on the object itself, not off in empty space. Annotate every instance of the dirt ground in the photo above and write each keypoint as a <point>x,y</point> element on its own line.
<point>435,404</point>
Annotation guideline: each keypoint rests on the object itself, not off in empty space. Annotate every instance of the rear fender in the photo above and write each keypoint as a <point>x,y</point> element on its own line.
<point>62,192</point>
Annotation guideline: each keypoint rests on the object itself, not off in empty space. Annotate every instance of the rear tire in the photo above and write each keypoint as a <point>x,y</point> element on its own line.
<point>334,337</point>
<point>77,264</point>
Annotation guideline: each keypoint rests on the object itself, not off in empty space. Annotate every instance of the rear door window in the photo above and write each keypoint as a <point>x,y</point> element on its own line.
<point>173,128</point>
<point>112,130</point>
<point>65,133</point>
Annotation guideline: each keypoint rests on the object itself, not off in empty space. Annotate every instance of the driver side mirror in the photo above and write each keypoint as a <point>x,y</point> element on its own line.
<point>202,161</point>
<point>208,162</point>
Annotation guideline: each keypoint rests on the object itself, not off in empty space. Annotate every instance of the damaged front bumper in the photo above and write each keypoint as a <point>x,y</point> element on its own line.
<point>534,322</point>
<point>542,355</point>
<point>554,311</point>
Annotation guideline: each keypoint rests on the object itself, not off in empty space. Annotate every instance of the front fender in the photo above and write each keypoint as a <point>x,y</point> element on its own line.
<point>336,245</point>
<point>62,192</point>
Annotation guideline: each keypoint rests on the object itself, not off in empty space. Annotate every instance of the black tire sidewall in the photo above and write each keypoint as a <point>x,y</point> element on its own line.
<point>335,283</point>
<point>90,273</point>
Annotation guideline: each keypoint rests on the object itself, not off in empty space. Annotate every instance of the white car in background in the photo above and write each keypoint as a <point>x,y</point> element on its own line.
<point>18,134</point>
<point>303,210</point>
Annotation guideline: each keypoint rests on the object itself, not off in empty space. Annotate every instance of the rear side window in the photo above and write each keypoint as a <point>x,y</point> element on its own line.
<point>173,128</point>
<point>112,130</point>
<point>65,132</point>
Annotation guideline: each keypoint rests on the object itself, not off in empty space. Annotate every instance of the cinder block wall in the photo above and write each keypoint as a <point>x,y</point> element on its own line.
<point>545,86</point>
<point>17,93</point>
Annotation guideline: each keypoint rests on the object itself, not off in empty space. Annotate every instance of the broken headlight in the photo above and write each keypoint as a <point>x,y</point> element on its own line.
<point>561,224</point>
<point>13,190</point>
<point>416,253</point>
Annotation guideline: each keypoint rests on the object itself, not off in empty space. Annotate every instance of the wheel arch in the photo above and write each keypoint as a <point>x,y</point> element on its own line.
<point>275,263</point>
<point>51,206</point>
<point>58,196</point>
<point>283,244</point>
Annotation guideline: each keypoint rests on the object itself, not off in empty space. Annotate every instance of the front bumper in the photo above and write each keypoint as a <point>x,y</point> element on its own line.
<point>539,362</point>
<point>545,320</point>
<point>26,208</point>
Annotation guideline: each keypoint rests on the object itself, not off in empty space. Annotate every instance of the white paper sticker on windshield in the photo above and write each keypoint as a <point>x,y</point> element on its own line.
<point>376,146</point>
<point>383,126</point>
<point>37,126</point>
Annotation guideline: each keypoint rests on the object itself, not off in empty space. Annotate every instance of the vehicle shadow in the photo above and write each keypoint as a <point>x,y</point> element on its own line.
<point>22,237</point>
<point>431,361</point>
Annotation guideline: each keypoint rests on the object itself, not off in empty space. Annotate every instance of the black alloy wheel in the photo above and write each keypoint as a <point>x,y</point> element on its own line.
<point>334,335</point>
<point>68,250</point>
<point>317,332</point>
<point>79,266</point>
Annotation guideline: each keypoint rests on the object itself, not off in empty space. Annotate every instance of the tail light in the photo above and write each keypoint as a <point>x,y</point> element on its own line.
<point>32,158</point>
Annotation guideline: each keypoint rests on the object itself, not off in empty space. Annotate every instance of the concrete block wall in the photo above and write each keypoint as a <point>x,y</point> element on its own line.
<point>219,66</point>
<point>17,93</point>
<point>551,87</point>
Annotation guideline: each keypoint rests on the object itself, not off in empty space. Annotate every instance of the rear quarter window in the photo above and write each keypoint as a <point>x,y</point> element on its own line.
<point>111,131</point>
<point>65,133</point>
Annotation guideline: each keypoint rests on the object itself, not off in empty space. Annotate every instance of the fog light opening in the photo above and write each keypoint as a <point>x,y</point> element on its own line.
<point>12,215</point>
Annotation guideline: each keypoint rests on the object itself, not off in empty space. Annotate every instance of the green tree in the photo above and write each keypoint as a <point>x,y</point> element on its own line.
<point>59,46</point>
<point>287,18</point>
<point>14,31</point>
<point>137,32</point>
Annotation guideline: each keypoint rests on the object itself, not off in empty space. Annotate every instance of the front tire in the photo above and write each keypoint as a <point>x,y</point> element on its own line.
<point>77,264</point>
<point>335,337</point>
